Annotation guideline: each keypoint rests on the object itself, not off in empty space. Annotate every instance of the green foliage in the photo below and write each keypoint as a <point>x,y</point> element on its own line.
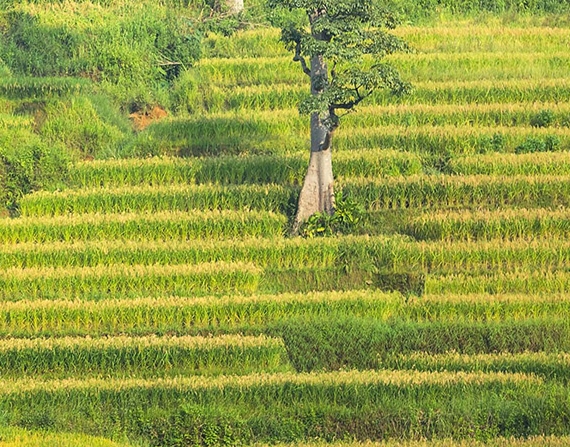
<point>28,164</point>
<point>134,51</point>
<point>345,220</point>
<point>345,34</point>
<point>549,143</point>
<point>544,118</point>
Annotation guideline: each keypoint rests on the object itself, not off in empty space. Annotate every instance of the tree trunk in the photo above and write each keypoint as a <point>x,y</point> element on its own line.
<point>235,6</point>
<point>317,193</point>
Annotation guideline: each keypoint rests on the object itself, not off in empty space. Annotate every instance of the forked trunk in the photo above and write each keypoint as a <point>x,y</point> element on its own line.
<point>317,193</point>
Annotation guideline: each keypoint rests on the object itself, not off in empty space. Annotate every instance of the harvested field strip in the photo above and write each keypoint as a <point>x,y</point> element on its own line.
<point>487,225</point>
<point>256,314</point>
<point>150,356</point>
<point>157,198</point>
<point>144,226</point>
<point>416,192</point>
<point>546,163</point>
<point>261,169</point>
<point>552,366</point>
<point>525,280</point>
<point>122,280</point>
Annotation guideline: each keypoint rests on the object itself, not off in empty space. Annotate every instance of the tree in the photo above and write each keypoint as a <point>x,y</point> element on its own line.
<point>235,6</point>
<point>339,45</point>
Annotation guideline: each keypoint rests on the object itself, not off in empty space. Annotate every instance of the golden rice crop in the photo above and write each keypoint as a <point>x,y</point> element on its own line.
<point>143,226</point>
<point>152,341</point>
<point>328,379</point>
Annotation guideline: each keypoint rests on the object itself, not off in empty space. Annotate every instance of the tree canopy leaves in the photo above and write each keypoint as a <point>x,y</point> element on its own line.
<point>352,36</point>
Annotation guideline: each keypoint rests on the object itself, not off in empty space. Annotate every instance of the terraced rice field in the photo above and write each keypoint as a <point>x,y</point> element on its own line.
<point>161,299</point>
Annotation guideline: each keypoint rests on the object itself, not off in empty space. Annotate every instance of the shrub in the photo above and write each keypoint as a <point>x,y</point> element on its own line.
<point>544,118</point>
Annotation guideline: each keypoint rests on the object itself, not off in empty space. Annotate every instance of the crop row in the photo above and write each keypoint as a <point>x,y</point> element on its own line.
<point>533,441</point>
<point>291,407</point>
<point>375,253</point>
<point>122,356</point>
<point>187,137</point>
<point>155,226</point>
<point>461,38</point>
<point>535,318</point>
<point>479,191</point>
<point>127,281</point>
<point>555,366</point>
<point>267,169</point>
<point>488,225</point>
<point>525,280</point>
<point>414,192</point>
<point>260,169</point>
<point>285,96</point>
<point>157,198</point>
<point>415,67</point>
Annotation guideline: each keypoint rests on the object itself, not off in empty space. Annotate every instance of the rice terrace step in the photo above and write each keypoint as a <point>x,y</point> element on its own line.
<point>153,292</point>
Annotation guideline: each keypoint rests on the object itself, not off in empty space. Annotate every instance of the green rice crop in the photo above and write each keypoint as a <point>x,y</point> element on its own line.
<point>524,281</point>
<point>150,356</point>
<point>417,67</point>
<point>286,96</point>
<point>260,169</point>
<point>274,253</point>
<point>127,281</point>
<point>193,136</point>
<point>478,191</point>
<point>154,199</point>
<point>552,366</point>
<point>156,226</point>
<point>491,315</point>
<point>263,402</point>
<point>388,254</point>
<point>486,225</point>
<point>473,66</point>
<point>554,163</point>
<point>184,315</point>
<point>40,87</point>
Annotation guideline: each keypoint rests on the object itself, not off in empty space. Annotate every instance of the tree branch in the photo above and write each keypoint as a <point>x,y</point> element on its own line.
<point>299,58</point>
